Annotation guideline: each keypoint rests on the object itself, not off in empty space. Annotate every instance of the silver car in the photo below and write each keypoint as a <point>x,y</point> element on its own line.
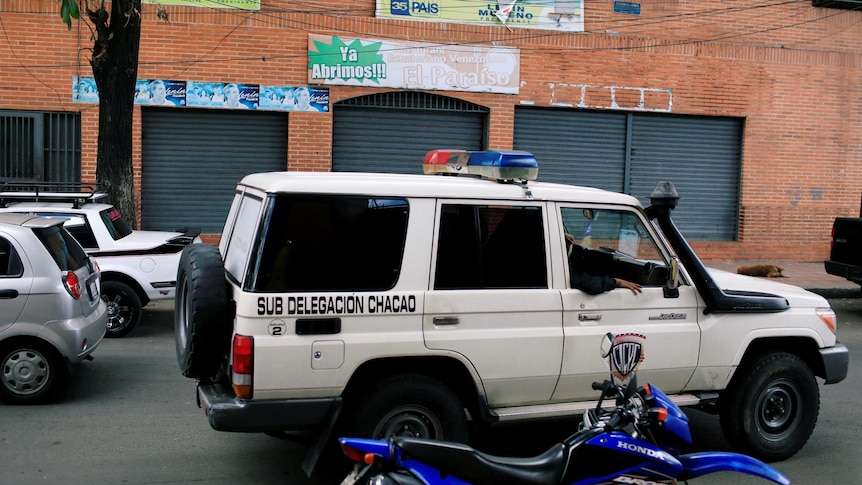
<point>51,314</point>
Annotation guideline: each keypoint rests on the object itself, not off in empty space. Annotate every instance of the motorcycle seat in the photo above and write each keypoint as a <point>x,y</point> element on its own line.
<point>479,468</point>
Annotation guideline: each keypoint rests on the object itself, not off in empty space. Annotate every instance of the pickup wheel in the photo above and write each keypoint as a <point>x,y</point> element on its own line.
<point>202,321</point>
<point>410,405</point>
<point>124,308</point>
<point>771,412</point>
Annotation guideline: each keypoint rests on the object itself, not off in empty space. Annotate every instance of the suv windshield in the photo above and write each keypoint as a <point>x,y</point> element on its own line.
<point>114,222</point>
<point>67,253</point>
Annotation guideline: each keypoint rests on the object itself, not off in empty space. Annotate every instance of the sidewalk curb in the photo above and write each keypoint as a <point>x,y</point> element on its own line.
<point>848,292</point>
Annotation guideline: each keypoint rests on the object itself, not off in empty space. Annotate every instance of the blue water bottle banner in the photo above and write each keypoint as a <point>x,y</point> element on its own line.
<point>193,94</point>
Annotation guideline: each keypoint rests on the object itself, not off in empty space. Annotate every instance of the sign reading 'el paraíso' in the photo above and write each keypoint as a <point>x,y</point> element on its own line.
<point>337,60</point>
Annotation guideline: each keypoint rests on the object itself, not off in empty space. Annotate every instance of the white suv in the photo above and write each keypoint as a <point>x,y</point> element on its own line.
<point>50,311</point>
<point>137,266</point>
<point>383,304</point>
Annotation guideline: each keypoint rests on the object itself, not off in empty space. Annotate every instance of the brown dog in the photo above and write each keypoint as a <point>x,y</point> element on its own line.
<point>767,270</point>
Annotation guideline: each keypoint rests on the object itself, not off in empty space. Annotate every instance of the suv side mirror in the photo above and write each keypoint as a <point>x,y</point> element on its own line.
<point>671,289</point>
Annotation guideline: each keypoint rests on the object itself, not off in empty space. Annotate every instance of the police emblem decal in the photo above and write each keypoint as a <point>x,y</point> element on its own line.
<point>627,354</point>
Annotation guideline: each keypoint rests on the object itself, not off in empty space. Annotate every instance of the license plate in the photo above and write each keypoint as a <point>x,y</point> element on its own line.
<point>93,289</point>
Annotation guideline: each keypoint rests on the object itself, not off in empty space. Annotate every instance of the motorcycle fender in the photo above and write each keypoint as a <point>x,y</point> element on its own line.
<point>699,464</point>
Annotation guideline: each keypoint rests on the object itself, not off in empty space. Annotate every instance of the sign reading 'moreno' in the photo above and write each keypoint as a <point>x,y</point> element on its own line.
<point>337,60</point>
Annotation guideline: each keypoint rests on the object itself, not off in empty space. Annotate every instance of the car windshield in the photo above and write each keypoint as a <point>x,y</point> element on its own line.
<point>117,227</point>
<point>67,253</point>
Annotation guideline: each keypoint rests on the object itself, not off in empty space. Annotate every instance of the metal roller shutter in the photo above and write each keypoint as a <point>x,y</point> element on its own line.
<point>701,156</point>
<point>574,147</point>
<point>193,159</point>
<point>392,132</point>
<point>629,152</point>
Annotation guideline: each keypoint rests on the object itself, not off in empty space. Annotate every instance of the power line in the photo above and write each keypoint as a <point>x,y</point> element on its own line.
<point>526,36</point>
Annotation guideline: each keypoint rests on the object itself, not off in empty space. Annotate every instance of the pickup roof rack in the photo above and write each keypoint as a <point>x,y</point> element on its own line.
<point>73,192</point>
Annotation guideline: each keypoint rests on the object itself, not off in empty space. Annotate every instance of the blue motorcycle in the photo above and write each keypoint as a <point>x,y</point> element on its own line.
<point>640,440</point>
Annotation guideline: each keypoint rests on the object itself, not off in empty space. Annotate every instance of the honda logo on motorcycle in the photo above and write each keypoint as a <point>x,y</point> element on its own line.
<point>627,354</point>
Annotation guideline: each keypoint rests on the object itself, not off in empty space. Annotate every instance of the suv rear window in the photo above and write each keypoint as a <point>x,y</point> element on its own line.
<point>114,222</point>
<point>329,243</point>
<point>67,253</point>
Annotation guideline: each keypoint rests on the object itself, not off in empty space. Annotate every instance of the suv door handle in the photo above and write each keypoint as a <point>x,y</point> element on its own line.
<point>447,320</point>
<point>588,317</point>
<point>8,294</point>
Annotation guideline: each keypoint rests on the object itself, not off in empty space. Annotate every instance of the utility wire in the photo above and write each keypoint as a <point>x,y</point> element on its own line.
<point>528,35</point>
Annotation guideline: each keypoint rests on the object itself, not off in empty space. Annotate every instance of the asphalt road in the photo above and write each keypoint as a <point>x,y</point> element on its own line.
<point>129,417</point>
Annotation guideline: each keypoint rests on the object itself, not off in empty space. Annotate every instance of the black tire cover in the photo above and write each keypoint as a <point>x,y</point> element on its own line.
<point>202,320</point>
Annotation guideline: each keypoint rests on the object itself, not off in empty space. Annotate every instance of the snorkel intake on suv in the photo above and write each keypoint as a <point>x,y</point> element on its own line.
<point>664,198</point>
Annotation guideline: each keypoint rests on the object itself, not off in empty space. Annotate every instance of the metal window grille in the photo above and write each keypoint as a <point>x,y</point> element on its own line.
<point>40,146</point>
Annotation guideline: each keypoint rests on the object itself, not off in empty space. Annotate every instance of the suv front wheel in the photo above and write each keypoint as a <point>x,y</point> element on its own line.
<point>771,413</point>
<point>411,405</point>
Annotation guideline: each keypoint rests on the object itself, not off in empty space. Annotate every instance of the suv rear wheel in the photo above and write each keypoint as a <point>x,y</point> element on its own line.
<point>411,405</point>
<point>771,413</point>
<point>202,322</point>
<point>124,308</point>
<point>29,372</point>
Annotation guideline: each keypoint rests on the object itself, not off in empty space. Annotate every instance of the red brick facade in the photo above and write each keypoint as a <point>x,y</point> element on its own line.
<point>791,70</point>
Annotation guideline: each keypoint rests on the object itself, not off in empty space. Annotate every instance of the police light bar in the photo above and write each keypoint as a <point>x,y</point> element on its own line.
<point>503,165</point>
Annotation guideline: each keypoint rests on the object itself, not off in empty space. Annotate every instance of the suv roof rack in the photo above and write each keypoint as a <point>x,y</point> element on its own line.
<point>74,192</point>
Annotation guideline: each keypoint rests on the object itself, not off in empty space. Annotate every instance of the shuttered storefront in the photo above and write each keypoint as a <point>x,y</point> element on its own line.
<point>629,152</point>
<point>392,132</point>
<point>193,159</point>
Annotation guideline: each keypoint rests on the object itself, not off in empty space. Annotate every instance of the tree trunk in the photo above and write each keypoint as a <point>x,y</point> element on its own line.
<point>115,69</point>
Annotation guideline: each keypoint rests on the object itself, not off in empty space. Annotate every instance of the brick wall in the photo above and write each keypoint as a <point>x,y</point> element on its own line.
<point>792,71</point>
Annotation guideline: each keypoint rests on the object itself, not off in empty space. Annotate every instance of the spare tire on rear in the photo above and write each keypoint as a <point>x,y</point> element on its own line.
<point>202,321</point>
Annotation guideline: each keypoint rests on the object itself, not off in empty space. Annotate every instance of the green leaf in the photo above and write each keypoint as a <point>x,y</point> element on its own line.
<point>68,11</point>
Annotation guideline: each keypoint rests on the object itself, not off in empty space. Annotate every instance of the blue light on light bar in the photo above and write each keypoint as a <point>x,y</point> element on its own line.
<point>490,164</point>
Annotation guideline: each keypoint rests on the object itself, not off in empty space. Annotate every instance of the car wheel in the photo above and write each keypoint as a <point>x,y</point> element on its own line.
<point>202,323</point>
<point>411,405</point>
<point>772,411</point>
<point>30,372</point>
<point>124,308</point>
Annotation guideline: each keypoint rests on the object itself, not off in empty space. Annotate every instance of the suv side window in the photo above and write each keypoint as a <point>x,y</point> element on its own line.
<point>242,237</point>
<point>10,262</point>
<point>613,243</point>
<point>491,247</point>
<point>330,243</point>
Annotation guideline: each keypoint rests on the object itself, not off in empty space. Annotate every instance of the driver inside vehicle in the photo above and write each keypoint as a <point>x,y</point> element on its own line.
<point>581,279</point>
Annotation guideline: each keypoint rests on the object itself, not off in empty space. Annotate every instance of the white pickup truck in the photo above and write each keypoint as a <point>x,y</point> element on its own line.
<point>137,266</point>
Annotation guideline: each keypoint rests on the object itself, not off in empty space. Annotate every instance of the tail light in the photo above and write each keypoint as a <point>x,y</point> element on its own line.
<point>360,456</point>
<point>352,453</point>
<point>72,283</point>
<point>243,360</point>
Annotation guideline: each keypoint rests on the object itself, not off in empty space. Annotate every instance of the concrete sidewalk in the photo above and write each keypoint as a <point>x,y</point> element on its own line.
<point>811,276</point>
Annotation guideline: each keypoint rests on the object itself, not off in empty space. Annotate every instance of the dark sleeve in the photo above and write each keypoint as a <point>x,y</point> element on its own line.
<point>592,284</point>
